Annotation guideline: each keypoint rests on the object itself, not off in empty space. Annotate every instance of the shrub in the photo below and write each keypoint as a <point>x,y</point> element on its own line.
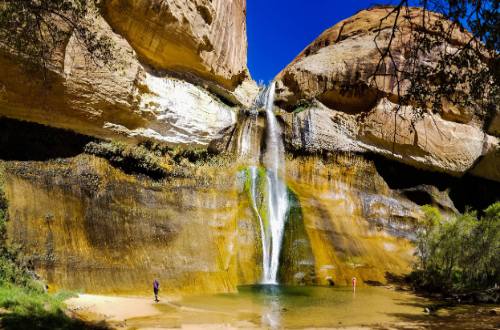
<point>462,253</point>
<point>178,154</point>
<point>35,310</point>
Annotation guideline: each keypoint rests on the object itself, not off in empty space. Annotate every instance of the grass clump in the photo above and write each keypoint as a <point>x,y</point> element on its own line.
<point>29,302</point>
<point>28,309</point>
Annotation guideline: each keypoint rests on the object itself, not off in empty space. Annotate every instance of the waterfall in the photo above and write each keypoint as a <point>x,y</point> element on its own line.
<point>272,223</point>
<point>277,193</point>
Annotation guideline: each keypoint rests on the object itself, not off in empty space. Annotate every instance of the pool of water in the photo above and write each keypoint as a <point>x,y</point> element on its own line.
<point>277,307</point>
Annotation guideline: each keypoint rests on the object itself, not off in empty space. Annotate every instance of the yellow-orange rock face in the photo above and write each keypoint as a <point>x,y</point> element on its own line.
<point>88,226</point>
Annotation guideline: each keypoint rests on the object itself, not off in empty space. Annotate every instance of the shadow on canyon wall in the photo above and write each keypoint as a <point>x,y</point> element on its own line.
<point>25,141</point>
<point>465,192</point>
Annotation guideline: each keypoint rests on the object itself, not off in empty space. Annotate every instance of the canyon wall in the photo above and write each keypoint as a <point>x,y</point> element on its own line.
<point>335,103</point>
<point>356,173</point>
<point>204,38</point>
<point>86,225</point>
<point>141,95</point>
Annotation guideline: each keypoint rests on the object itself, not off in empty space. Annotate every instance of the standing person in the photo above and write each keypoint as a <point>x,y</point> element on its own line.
<point>354,284</point>
<point>156,289</point>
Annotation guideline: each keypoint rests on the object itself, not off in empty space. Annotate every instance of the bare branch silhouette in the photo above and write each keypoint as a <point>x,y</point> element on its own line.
<point>429,60</point>
<point>39,30</point>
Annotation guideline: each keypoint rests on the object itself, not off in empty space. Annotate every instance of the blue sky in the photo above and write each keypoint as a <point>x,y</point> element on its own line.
<point>278,30</point>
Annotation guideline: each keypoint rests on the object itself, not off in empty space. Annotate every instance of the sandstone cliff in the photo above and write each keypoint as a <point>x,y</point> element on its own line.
<point>88,225</point>
<point>179,95</point>
<point>204,38</point>
<point>338,106</point>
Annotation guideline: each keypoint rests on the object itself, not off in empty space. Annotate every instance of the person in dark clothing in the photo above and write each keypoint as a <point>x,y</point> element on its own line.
<point>156,289</point>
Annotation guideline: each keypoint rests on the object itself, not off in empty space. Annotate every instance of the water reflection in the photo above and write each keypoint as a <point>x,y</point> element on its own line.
<point>284,307</point>
<point>272,307</point>
<point>271,316</point>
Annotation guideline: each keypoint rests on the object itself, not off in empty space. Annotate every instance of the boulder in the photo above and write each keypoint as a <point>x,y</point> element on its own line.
<point>337,68</point>
<point>429,142</point>
<point>430,195</point>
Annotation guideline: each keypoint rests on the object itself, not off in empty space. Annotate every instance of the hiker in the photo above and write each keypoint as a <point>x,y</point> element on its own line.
<point>156,288</point>
<point>354,284</point>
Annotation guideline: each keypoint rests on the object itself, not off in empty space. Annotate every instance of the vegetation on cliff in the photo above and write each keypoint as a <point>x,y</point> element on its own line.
<point>135,159</point>
<point>154,160</point>
<point>458,254</point>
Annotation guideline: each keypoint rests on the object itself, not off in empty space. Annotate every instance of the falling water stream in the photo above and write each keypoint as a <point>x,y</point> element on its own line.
<point>272,223</point>
<point>274,161</point>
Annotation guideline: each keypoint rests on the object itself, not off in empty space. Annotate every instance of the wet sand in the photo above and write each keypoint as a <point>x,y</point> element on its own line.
<point>114,309</point>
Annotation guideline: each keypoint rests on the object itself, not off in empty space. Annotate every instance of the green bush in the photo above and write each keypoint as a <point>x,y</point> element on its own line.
<point>458,254</point>
<point>37,310</point>
<point>178,154</point>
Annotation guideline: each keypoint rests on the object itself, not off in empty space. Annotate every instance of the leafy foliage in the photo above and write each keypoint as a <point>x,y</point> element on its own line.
<point>178,154</point>
<point>458,254</point>
<point>303,105</point>
<point>38,30</point>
